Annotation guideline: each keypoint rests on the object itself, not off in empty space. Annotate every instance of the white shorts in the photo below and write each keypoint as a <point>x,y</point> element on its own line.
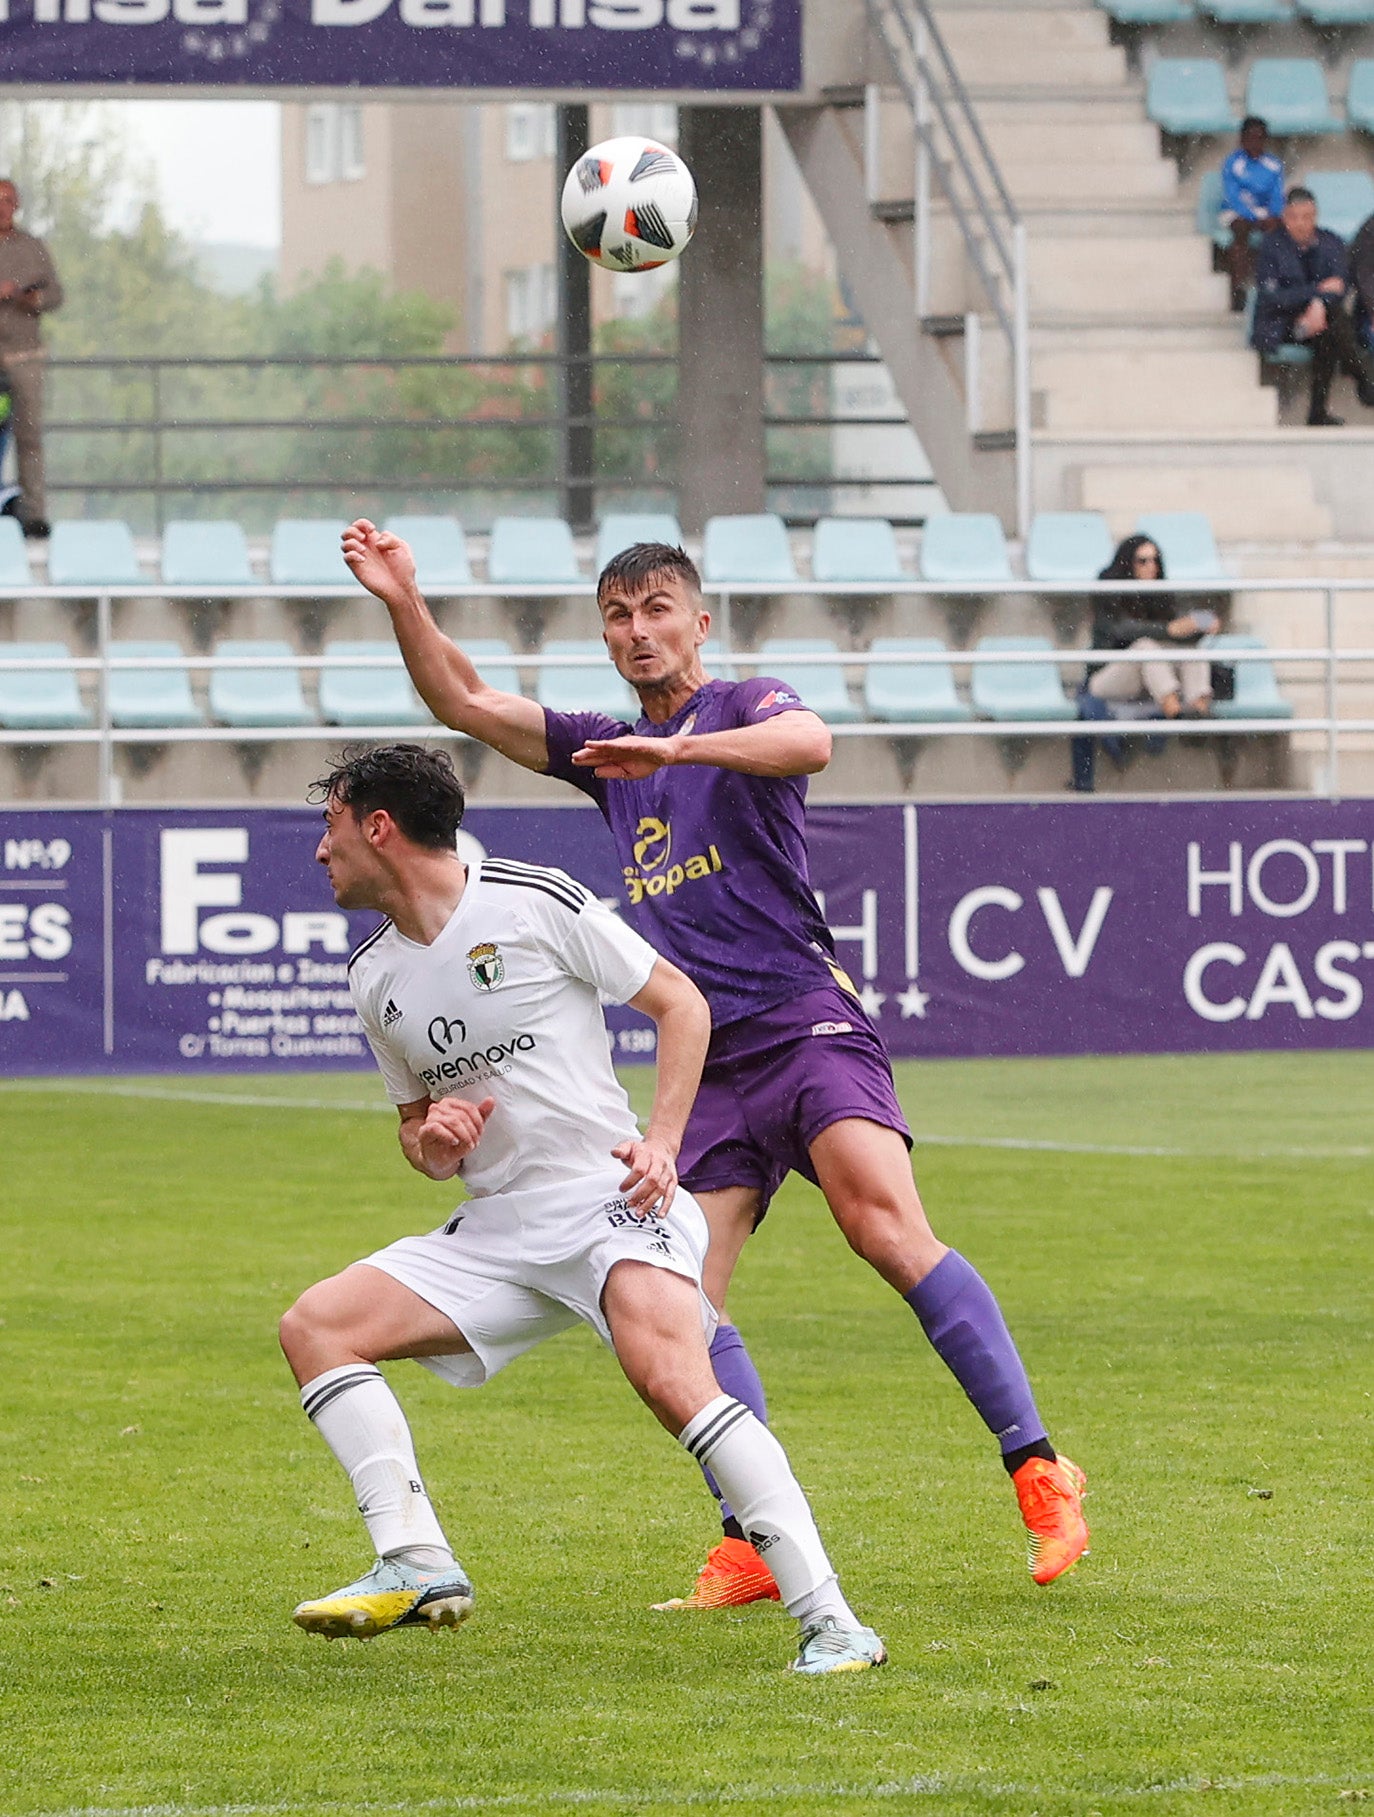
<point>511,1269</point>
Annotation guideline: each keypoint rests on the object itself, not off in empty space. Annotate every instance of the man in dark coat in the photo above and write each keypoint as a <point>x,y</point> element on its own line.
<point>1304,283</point>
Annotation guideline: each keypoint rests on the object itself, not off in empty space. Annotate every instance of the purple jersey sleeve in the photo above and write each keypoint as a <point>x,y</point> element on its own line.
<point>762,698</point>
<point>568,732</point>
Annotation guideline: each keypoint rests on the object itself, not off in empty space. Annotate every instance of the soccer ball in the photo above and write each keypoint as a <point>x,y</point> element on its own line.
<point>630,204</point>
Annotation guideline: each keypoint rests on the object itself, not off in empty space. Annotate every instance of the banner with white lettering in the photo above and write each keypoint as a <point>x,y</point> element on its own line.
<point>143,940</point>
<point>742,45</point>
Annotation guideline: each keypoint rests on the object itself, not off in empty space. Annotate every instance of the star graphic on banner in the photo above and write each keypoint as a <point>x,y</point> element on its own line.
<point>913,1001</point>
<point>872,1001</point>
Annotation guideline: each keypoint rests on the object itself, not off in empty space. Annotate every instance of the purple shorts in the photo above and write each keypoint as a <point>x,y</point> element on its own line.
<point>774,1081</point>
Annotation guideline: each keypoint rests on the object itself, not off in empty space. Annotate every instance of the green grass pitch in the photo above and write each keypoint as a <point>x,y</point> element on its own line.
<point>1182,1248</point>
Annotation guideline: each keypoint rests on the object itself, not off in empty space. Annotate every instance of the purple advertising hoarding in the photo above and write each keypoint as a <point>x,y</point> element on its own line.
<point>207,940</point>
<point>742,45</point>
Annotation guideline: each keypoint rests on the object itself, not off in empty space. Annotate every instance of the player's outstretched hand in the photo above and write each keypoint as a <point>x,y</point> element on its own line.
<point>451,1130</point>
<point>381,561</point>
<point>652,1180</point>
<point>626,759</point>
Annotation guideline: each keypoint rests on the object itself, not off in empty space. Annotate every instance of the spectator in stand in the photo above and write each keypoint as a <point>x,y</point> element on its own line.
<point>1251,201</point>
<point>1362,270</point>
<point>29,288</point>
<point>1304,283</point>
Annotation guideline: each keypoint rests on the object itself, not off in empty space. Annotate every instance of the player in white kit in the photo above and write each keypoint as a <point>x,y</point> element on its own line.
<point>481,996</point>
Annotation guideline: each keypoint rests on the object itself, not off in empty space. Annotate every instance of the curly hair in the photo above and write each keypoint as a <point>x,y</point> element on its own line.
<point>636,566</point>
<point>417,787</point>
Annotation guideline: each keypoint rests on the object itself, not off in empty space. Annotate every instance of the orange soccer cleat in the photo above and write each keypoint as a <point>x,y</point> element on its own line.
<point>1051,1498</point>
<point>733,1575</point>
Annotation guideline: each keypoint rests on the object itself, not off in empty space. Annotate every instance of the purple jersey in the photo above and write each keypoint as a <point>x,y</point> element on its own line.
<point>714,861</point>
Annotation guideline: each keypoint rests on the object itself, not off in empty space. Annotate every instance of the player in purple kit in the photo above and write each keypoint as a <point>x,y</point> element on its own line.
<point>705,798</point>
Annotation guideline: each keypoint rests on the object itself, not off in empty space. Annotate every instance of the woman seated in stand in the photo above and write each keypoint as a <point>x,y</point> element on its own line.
<point>1160,661</point>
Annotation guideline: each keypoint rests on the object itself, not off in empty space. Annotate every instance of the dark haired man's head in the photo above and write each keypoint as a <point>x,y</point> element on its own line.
<point>417,787</point>
<point>1300,215</point>
<point>1254,136</point>
<point>653,621</point>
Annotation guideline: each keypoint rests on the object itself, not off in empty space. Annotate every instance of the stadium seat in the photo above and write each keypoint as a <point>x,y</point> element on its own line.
<point>747,548</point>
<point>258,697</point>
<point>920,692</point>
<point>440,550</point>
<point>855,549</point>
<point>47,700</point>
<point>205,554</point>
<point>531,552</point>
<point>621,529</point>
<point>1338,12</point>
<point>964,546</point>
<point>1359,95</point>
<point>1257,693</point>
<point>1019,690</point>
<point>598,688</point>
<point>1345,199</point>
<point>94,552</point>
<point>1068,545</point>
<point>1188,95</point>
<point>1290,93</point>
<point>14,555</point>
<point>1186,542</point>
<point>1247,12</point>
<point>1209,203</point>
<point>306,553</point>
<point>822,686</point>
<point>369,697</point>
<point>1287,353</point>
<point>151,698</point>
<point>495,663</point>
<point>1148,12</point>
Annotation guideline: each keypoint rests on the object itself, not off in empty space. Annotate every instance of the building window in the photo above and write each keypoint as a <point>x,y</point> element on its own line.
<point>352,164</point>
<point>531,302</point>
<point>645,120</point>
<point>334,142</point>
<point>529,131</point>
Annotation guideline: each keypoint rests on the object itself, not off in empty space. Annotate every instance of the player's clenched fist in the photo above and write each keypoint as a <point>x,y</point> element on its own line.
<point>451,1130</point>
<point>652,1180</point>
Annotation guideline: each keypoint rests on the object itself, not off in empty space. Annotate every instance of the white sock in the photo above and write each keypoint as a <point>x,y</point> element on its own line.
<point>361,1421</point>
<point>757,1481</point>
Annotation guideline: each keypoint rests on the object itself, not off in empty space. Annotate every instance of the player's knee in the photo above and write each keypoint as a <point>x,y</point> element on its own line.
<point>305,1323</point>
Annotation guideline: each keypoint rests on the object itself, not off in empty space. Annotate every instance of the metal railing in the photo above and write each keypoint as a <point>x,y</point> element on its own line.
<point>179,429</point>
<point>1326,656</point>
<point>950,147</point>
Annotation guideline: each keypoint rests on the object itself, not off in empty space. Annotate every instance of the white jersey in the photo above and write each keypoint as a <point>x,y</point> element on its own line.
<point>506,1004</point>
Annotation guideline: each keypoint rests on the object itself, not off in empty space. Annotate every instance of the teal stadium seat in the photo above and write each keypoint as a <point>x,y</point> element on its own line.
<point>859,550</point>
<point>622,529</point>
<point>1290,93</point>
<point>1019,690</point>
<point>1338,12</point>
<point>258,697</point>
<point>205,555</point>
<point>14,555</point>
<point>494,661</point>
<point>747,549</point>
<point>597,688</point>
<point>305,552</point>
<point>921,693</point>
<point>964,546</point>
<point>1187,95</point>
<point>531,552</point>
<point>151,699</point>
<point>440,550</point>
<point>1068,545</point>
<point>369,697</point>
<point>1186,542</point>
<point>1209,203</point>
<point>1148,12</point>
<point>93,552</point>
<point>1359,95</point>
<point>40,700</point>
<point>1247,12</point>
<point>1257,693</point>
<point>1287,353</point>
<point>821,686</point>
<point>1345,199</point>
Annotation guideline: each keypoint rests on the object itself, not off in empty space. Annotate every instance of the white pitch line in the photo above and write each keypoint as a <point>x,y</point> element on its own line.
<point>100,1088</point>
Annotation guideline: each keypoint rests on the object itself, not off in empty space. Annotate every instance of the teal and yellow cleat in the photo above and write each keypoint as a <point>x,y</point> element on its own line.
<point>390,1596</point>
<point>827,1647</point>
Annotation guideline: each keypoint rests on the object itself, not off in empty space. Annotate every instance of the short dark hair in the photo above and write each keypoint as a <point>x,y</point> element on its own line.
<point>1253,120</point>
<point>636,566</point>
<point>417,787</point>
<point>1298,194</point>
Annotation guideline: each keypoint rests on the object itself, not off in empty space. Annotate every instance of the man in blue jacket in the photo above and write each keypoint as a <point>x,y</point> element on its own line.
<point>1251,201</point>
<point>1304,282</point>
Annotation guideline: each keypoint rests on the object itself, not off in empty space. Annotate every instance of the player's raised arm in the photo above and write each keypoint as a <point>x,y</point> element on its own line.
<point>445,679</point>
<point>684,1028</point>
<point>797,743</point>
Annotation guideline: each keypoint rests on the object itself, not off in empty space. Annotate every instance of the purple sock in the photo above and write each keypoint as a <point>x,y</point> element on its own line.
<point>964,1322</point>
<point>737,1376</point>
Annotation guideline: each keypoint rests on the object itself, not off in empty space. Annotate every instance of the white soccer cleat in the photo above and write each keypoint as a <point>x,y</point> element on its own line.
<point>390,1596</point>
<point>828,1647</point>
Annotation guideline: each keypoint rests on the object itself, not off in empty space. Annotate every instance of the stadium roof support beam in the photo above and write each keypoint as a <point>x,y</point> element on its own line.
<point>720,336</point>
